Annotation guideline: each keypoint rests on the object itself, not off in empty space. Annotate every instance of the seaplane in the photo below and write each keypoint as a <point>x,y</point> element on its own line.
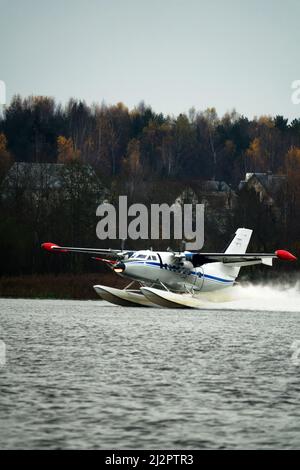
<point>172,279</point>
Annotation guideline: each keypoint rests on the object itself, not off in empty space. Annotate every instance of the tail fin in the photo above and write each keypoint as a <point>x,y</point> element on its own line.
<point>240,242</point>
<point>238,245</point>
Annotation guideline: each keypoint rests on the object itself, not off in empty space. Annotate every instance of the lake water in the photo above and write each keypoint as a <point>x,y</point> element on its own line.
<point>90,375</point>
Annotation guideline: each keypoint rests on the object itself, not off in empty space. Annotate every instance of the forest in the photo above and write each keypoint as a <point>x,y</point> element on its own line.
<point>108,150</point>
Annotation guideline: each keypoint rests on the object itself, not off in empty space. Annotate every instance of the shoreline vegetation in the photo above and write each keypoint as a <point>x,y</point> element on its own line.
<point>80,286</point>
<point>61,286</point>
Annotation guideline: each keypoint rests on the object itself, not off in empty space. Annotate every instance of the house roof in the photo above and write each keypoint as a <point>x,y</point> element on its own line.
<point>271,183</point>
<point>214,186</point>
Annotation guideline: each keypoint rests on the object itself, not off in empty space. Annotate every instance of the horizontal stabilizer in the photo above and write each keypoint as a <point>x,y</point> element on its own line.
<point>247,259</point>
<point>267,261</point>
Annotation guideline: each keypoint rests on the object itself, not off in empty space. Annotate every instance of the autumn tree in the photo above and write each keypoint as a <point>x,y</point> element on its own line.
<point>66,152</point>
<point>265,149</point>
<point>132,166</point>
<point>78,117</point>
<point>211,117</point>
<point>5,157</point>
<point>184,143</point>
<point>205,126</point>
<point>292,169</point>
<point>292,166</point>
<point>167,151</point>
<point>254,156</point>
<point>31,126</point>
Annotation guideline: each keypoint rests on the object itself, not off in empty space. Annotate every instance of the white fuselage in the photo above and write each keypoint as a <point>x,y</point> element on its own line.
<point>151,267</point>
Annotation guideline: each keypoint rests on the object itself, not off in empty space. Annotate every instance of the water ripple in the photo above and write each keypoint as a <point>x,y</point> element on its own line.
<point>90,375</point>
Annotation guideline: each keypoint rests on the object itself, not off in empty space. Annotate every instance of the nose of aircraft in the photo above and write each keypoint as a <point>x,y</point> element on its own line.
<point>119,267</point>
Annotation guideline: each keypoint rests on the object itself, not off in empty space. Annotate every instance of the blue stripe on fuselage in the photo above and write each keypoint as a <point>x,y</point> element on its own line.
<point>207,276</point>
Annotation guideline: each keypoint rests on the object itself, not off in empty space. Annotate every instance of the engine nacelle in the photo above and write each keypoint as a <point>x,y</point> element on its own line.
<point>196,259</point>
<point>187,264</point>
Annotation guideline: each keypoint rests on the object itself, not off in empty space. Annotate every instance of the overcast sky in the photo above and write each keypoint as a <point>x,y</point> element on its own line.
<point>173,54</point>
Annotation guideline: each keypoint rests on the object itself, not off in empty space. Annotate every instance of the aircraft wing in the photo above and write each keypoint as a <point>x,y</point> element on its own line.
<point>115,254</point>
<point>247,259</point>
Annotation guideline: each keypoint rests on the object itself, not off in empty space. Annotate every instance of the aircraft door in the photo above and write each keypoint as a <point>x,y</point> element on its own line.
<point>199,278</point>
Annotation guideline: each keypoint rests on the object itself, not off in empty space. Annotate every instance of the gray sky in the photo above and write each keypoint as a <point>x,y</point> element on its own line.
<point>173,54</point>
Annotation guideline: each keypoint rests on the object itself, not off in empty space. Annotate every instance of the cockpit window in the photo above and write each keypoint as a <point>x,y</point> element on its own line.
<point>154,257</point>
<point>141,256</point>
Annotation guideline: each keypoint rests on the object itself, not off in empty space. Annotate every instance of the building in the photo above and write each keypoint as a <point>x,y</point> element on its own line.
<point>267,186</point>
<point>51,179</point>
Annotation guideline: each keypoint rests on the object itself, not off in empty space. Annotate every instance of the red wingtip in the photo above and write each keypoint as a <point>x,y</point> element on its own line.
<point>48,246</point>
<point>285,255</point>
